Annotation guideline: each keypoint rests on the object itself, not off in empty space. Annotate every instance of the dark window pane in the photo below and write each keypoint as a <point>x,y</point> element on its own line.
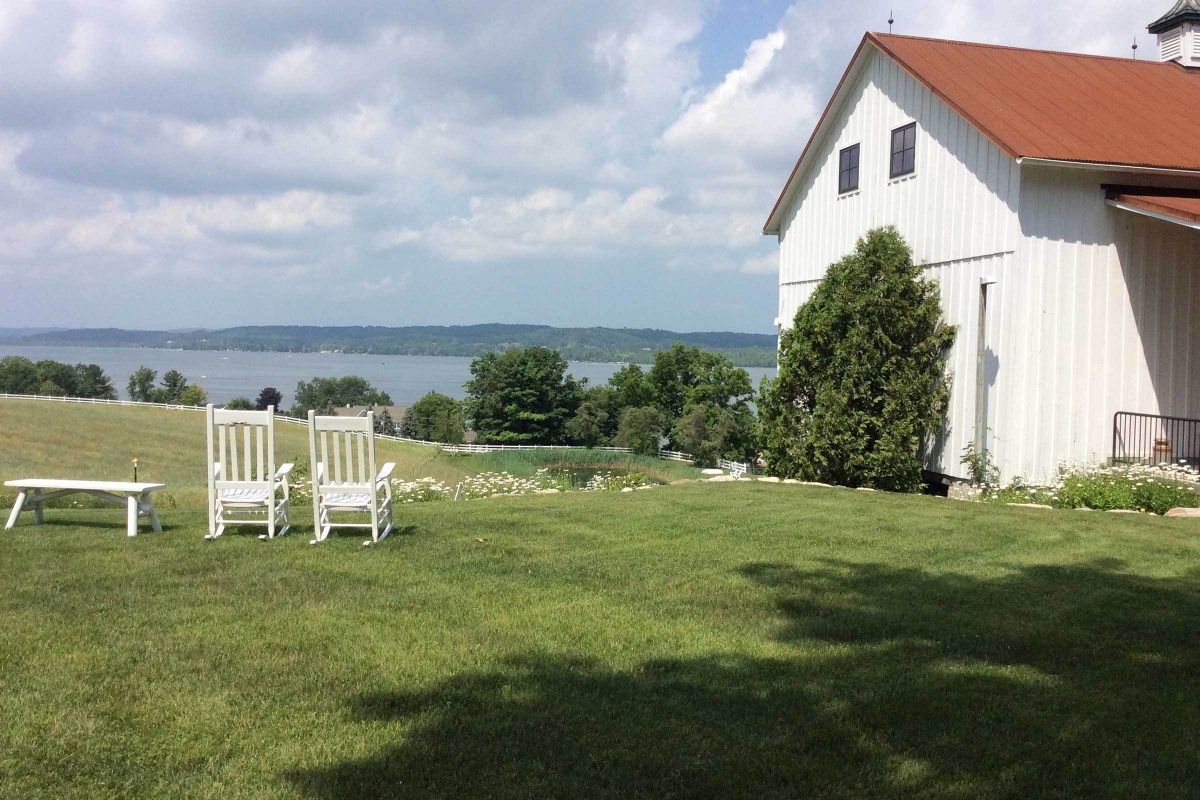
<point>854,157</point>
<point>910,160</point>
<point>910,136</point>
<point>854,178</point>
<point>897,140</point>
<point>845,159</point>
<point>897,164</point>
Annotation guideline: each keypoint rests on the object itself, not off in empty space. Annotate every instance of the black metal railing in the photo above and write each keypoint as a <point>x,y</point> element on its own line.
<point>1155,439</point>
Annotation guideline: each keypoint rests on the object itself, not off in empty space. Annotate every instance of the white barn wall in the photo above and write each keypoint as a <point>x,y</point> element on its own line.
<point>1110,300</point>
<point>958,212</point>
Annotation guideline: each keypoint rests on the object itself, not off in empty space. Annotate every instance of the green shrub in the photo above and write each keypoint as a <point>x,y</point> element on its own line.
<point>862,383</point>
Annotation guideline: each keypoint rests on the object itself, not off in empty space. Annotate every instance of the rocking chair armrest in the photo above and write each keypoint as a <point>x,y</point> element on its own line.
<point>284,471</point>
<point>386,472</point>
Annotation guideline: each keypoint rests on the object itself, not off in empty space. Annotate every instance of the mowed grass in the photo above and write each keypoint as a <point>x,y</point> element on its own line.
<point>96,442</point>
<point>719,640</point>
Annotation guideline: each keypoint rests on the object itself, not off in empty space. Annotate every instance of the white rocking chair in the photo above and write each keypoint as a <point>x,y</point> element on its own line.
<point>246,490</point>
<point>357,489</point>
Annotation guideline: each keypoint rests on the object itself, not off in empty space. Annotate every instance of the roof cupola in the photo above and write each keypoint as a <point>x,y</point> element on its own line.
<point>1178,33</point>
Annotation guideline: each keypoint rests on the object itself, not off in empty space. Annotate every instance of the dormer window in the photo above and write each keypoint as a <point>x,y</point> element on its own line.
<point>848,170</point>
<point>904,150</point>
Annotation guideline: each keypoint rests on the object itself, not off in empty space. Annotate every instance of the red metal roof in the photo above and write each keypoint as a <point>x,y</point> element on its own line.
<point>1179,204</point>
<point>1063,106</point>
<point>1049,105</point>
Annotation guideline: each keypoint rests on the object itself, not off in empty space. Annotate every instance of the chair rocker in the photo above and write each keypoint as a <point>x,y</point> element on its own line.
<point>344,479</point>
<point>245,488</point>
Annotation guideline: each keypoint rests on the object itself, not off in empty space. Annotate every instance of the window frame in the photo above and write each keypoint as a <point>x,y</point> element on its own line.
<point>856,149</point>
<point>902,152</point>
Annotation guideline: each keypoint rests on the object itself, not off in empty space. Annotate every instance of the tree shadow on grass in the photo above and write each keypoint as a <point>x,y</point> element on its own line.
<point>1050,681</point>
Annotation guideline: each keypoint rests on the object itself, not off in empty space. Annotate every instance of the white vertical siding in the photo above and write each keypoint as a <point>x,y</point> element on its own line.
<point>957,211</point>
<point>1107,300</point>
<point>959,204</point>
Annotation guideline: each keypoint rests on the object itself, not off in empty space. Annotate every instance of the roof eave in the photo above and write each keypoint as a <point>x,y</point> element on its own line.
<point>1173,22</point>
<point>1100,166</point>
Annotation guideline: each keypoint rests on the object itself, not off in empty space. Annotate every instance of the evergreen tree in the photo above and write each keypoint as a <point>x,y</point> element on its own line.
<point>862,384</point>
<point>408,425</point>
<point>269,396</point>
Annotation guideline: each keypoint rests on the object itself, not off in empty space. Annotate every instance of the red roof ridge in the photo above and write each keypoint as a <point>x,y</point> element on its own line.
<point>1125,59</point>
<point>1044,105</point>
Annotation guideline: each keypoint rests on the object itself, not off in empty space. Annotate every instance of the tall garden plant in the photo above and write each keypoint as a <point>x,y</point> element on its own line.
<point>862,384</point>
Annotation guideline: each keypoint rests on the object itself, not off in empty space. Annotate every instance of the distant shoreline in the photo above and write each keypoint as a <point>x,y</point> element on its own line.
<point>585,345</point>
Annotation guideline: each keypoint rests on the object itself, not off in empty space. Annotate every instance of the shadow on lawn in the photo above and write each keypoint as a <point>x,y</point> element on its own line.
<point>1051,681</point>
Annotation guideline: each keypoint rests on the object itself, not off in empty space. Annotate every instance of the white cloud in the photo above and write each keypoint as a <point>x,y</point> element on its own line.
<point>766,264</point>
<point>423,151</point>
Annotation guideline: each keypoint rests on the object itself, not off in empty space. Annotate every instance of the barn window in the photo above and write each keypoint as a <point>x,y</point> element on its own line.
<point>904,150</point>
<point>848,170</point>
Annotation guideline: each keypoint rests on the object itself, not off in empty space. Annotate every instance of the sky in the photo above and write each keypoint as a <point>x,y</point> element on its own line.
<point>183,164</point>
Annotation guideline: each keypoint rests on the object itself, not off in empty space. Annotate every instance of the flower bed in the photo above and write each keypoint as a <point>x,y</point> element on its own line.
<point>490,484</point>
<point>1155,489</point>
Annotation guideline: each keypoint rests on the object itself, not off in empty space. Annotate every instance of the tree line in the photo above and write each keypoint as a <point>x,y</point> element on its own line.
<point>20,375</point>
<point>860,395</point>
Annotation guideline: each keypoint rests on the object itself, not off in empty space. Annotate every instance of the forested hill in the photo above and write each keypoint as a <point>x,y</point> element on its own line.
<point>577,344</point>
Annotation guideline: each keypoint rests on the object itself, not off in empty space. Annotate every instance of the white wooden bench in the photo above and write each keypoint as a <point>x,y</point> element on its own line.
<point>34,492</point>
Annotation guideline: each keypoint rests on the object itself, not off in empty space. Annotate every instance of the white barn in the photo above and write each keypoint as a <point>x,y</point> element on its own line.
<point>1056,199</point>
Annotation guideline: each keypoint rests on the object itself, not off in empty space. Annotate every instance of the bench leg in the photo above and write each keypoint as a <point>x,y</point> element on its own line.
<point>16,510</point>
<point>131,504</point>
<point>148,508</point>
<point>38,516</point>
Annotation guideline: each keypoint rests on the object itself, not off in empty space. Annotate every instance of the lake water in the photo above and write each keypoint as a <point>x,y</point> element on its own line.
<point>229,373</point>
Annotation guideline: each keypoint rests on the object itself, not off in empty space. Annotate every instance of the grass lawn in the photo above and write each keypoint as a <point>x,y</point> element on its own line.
<point>733,640</point>
<point>53,440</point>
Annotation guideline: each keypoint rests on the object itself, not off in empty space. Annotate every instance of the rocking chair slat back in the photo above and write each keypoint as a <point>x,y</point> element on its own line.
<point>243,446</point>
<point>347,448</point>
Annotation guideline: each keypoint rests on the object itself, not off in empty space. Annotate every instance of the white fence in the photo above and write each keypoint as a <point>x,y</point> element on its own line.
<point>505,448</point>
<point>96,401</point>
<point>668,455</point>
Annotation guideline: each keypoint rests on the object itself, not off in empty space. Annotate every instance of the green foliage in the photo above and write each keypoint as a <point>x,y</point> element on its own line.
<point>240,404</point>
<point>640,430</point>
<point>141,385</point>
<point>19,375</point>
<point>981,468</point>
<point>523,396</point>
<point>173,387</point>
<point>711,432</point>
<point>862,382</point>
<point>684,377</point>
<point>268,397</point>
<point>437,418</point>
<point>586,428</point>
<point>323,395</point>
<point>174,390</point>
<point>93,383</point>
<point>1154,489</point>
<point>192,395</point>
<point>408,425</point>
<point>627,388</point>
<point>384,424</point>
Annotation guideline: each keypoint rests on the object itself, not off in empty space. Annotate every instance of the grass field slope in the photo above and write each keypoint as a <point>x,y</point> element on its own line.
<point>99,442</point>
<point>704,640</point>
